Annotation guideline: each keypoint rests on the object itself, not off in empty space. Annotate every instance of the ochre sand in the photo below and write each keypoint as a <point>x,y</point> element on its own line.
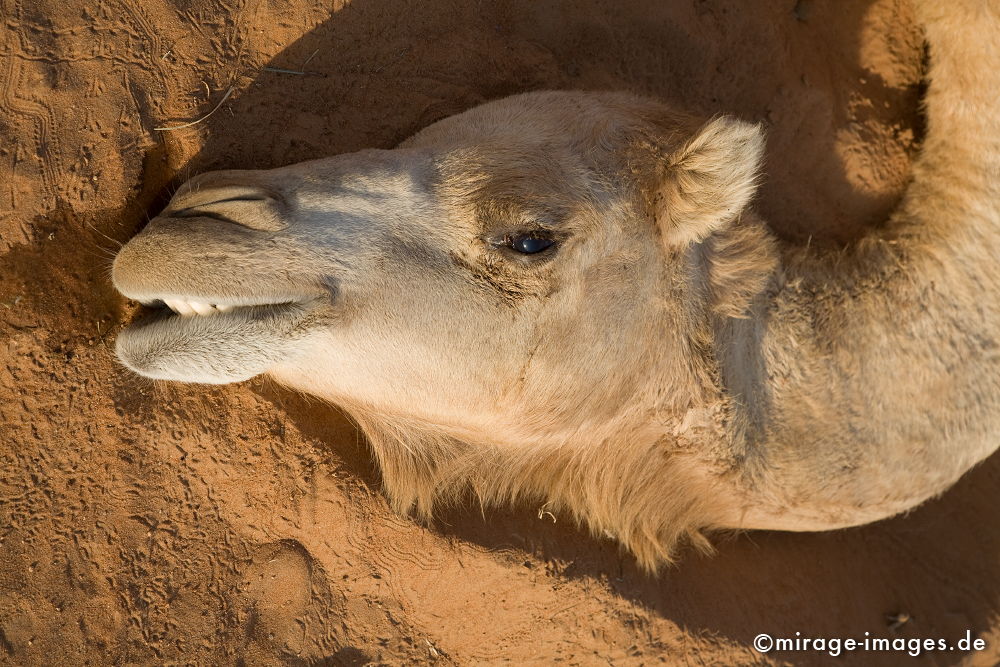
<point>146,523</point>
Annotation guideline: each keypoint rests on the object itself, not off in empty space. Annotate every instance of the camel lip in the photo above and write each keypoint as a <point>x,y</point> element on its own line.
<point>194,265</point>
<point>219,348</point>
<point>155,283</point>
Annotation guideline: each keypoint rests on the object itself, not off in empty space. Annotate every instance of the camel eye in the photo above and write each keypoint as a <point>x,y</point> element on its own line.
<point>529,244</point>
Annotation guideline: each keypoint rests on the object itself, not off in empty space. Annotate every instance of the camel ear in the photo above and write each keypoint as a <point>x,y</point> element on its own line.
<point>709,180</point>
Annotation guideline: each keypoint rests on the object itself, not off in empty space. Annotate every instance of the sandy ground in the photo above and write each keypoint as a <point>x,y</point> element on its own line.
<point>150,523</point>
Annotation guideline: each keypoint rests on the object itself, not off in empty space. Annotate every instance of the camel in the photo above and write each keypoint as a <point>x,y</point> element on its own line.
<point>566,299</point>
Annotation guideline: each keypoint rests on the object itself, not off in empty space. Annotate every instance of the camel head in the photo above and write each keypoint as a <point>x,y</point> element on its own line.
<point>524,270</point>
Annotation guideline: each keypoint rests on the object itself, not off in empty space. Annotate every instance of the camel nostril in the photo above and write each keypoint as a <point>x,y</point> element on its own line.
<point>247,205</point>
<point>258,214</point>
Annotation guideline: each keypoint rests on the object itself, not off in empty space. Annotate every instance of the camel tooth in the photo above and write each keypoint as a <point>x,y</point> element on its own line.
<point>180,307</point>
<point>224,308</point>
<point>201,308</point>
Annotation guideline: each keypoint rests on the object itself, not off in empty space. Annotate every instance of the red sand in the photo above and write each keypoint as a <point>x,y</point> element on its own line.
<point>158,523</point>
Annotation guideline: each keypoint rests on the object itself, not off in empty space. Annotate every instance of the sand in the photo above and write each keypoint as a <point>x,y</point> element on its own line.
<point>155,523</point>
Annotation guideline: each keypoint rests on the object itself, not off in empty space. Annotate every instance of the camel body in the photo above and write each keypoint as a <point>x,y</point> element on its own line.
<point>661,366</point>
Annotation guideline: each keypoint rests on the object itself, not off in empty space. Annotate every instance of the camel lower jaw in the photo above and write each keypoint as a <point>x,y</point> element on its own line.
<point>216,348</point>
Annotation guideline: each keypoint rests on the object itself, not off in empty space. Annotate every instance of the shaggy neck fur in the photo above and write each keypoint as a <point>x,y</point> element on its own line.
<point>656,478</point>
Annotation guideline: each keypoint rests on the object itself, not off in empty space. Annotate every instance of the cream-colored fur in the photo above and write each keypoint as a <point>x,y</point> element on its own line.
<point>666,368</point>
